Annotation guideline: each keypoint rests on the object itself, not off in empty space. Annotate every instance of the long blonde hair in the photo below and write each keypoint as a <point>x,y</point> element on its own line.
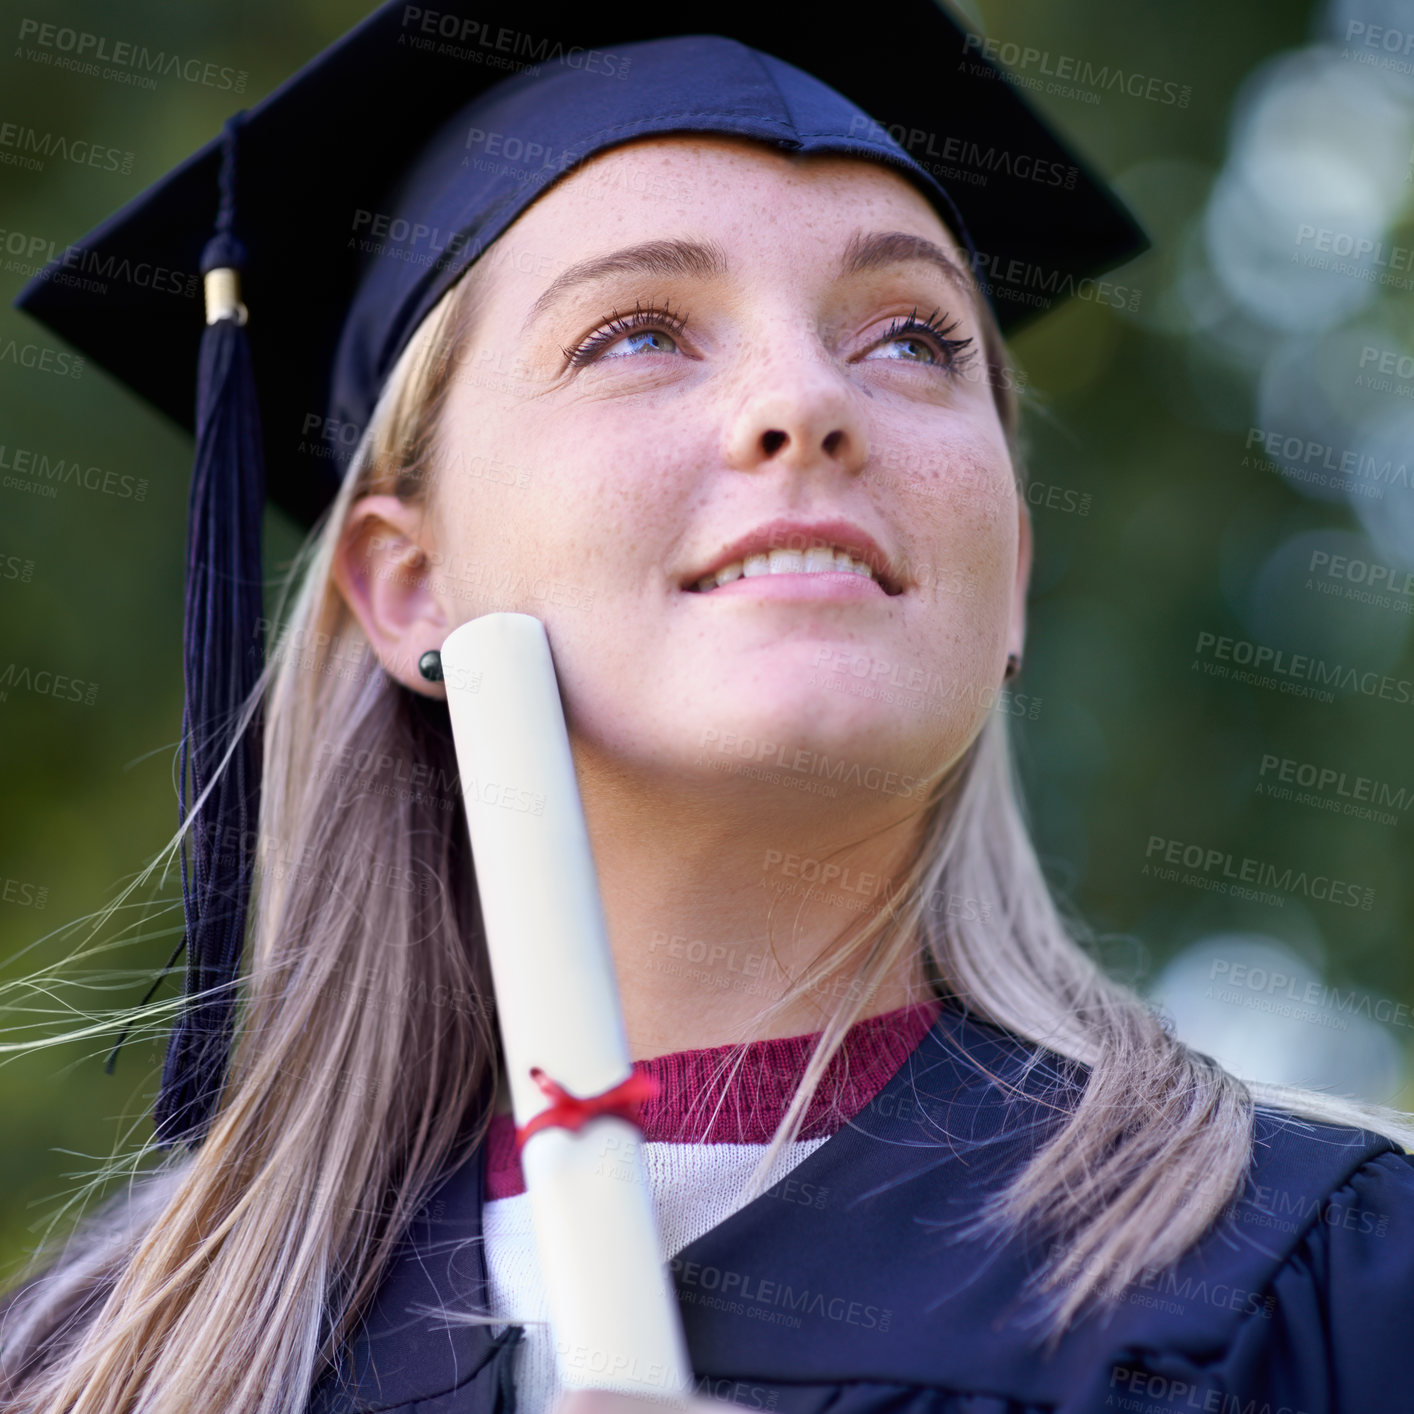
<point>230,1276</point>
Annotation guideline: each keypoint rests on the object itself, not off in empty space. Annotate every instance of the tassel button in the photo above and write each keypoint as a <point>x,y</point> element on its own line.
<point>223,296</point>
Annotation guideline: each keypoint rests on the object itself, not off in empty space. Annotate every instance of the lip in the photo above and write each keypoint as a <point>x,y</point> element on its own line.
<point>785,533</point>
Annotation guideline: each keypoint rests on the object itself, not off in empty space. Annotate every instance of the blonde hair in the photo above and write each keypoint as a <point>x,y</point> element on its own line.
<point>231,1276</point>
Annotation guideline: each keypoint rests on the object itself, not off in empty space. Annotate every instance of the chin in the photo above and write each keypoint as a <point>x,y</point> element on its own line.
<point>798,732</point>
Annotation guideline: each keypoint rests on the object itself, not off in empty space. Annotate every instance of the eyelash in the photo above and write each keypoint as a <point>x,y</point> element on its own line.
<point>955,353</point>
<point>617,325</point>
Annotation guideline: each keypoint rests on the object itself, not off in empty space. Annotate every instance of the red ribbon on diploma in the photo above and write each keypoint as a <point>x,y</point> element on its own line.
<point>571,1112</point>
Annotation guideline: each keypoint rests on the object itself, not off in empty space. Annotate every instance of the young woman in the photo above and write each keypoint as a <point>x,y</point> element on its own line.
<point>731,415</point>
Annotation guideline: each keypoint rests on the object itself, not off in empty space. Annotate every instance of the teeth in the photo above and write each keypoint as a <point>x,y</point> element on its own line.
<point>819,559</point>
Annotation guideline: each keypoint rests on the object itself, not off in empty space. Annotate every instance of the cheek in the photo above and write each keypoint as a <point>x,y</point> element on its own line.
<point>962,505</point>
<point>589,493</point>
<point>485,502</point>
<point>623,477</point>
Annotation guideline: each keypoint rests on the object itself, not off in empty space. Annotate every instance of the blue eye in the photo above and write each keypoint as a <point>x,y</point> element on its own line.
<point>650,340</point>
<point>650,330</point>
<point>915,350</point>
<point>925,341</point>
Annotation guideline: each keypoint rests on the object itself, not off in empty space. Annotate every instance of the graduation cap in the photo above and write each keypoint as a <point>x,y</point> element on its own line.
<point>338,211</point>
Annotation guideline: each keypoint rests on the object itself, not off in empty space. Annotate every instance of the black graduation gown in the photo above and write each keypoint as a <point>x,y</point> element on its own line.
<point>844,1288</point>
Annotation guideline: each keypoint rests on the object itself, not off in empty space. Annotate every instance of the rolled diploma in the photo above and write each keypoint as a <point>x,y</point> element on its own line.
<point>613,1310</point>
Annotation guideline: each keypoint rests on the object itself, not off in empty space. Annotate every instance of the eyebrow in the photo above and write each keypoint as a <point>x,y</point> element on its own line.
<point>884,248</point>
<point>705,260</point>
<point>700,259</point>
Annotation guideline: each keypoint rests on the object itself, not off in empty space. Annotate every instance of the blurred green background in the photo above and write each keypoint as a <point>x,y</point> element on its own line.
<point>1155,520</point>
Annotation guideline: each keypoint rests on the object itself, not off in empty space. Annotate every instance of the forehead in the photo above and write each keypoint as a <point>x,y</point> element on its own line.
<point>662,180</point>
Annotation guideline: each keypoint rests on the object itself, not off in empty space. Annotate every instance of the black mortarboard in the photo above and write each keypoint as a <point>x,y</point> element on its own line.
<point>354,195</point>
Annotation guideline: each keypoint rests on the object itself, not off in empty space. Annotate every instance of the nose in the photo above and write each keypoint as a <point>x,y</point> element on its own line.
<point>799,412</point>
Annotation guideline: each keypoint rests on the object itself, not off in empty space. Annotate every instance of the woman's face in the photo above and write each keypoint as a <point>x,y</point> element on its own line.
<point>686,341</point>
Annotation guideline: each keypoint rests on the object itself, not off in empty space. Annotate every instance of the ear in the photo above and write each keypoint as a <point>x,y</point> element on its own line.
<point>382,568</point>
<point>1016,630</point>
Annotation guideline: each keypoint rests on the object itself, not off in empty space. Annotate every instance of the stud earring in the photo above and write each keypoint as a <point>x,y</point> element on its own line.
<point>1013,665</point>
<point>430,665</point>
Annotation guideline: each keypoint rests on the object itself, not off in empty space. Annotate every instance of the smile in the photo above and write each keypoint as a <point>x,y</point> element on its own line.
<point>825,561</point>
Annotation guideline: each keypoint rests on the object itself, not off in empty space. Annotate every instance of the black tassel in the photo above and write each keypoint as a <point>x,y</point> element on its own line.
<point>503,1349</point>
<point>222,664</point>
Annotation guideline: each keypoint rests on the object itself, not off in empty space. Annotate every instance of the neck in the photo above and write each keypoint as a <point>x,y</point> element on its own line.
<point>716,902</point>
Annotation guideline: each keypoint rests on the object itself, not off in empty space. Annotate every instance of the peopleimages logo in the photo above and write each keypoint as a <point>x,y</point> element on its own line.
<point>808,763</point>
<point>1250,984</point>
<point>1302,459</point>
<point>1025,282</point>
<point>1225,868</point>
<point>974,160</point>
<point>774,1299</point>
<point>46,684</point>
<point>1391,362</point>
<point>1394,578</point>
<point>1293,672</point>
<point>1360,256</point>
<point>41,358</point>
<point>1331,788</point>
<point>25,895</point>
<point>94,272</point>
<point>28,470</point>
<point>1380,45</point>
<point>86,53</point>
<point>26,147</point>
<point>1093,81</point>
<point>458,37</point>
